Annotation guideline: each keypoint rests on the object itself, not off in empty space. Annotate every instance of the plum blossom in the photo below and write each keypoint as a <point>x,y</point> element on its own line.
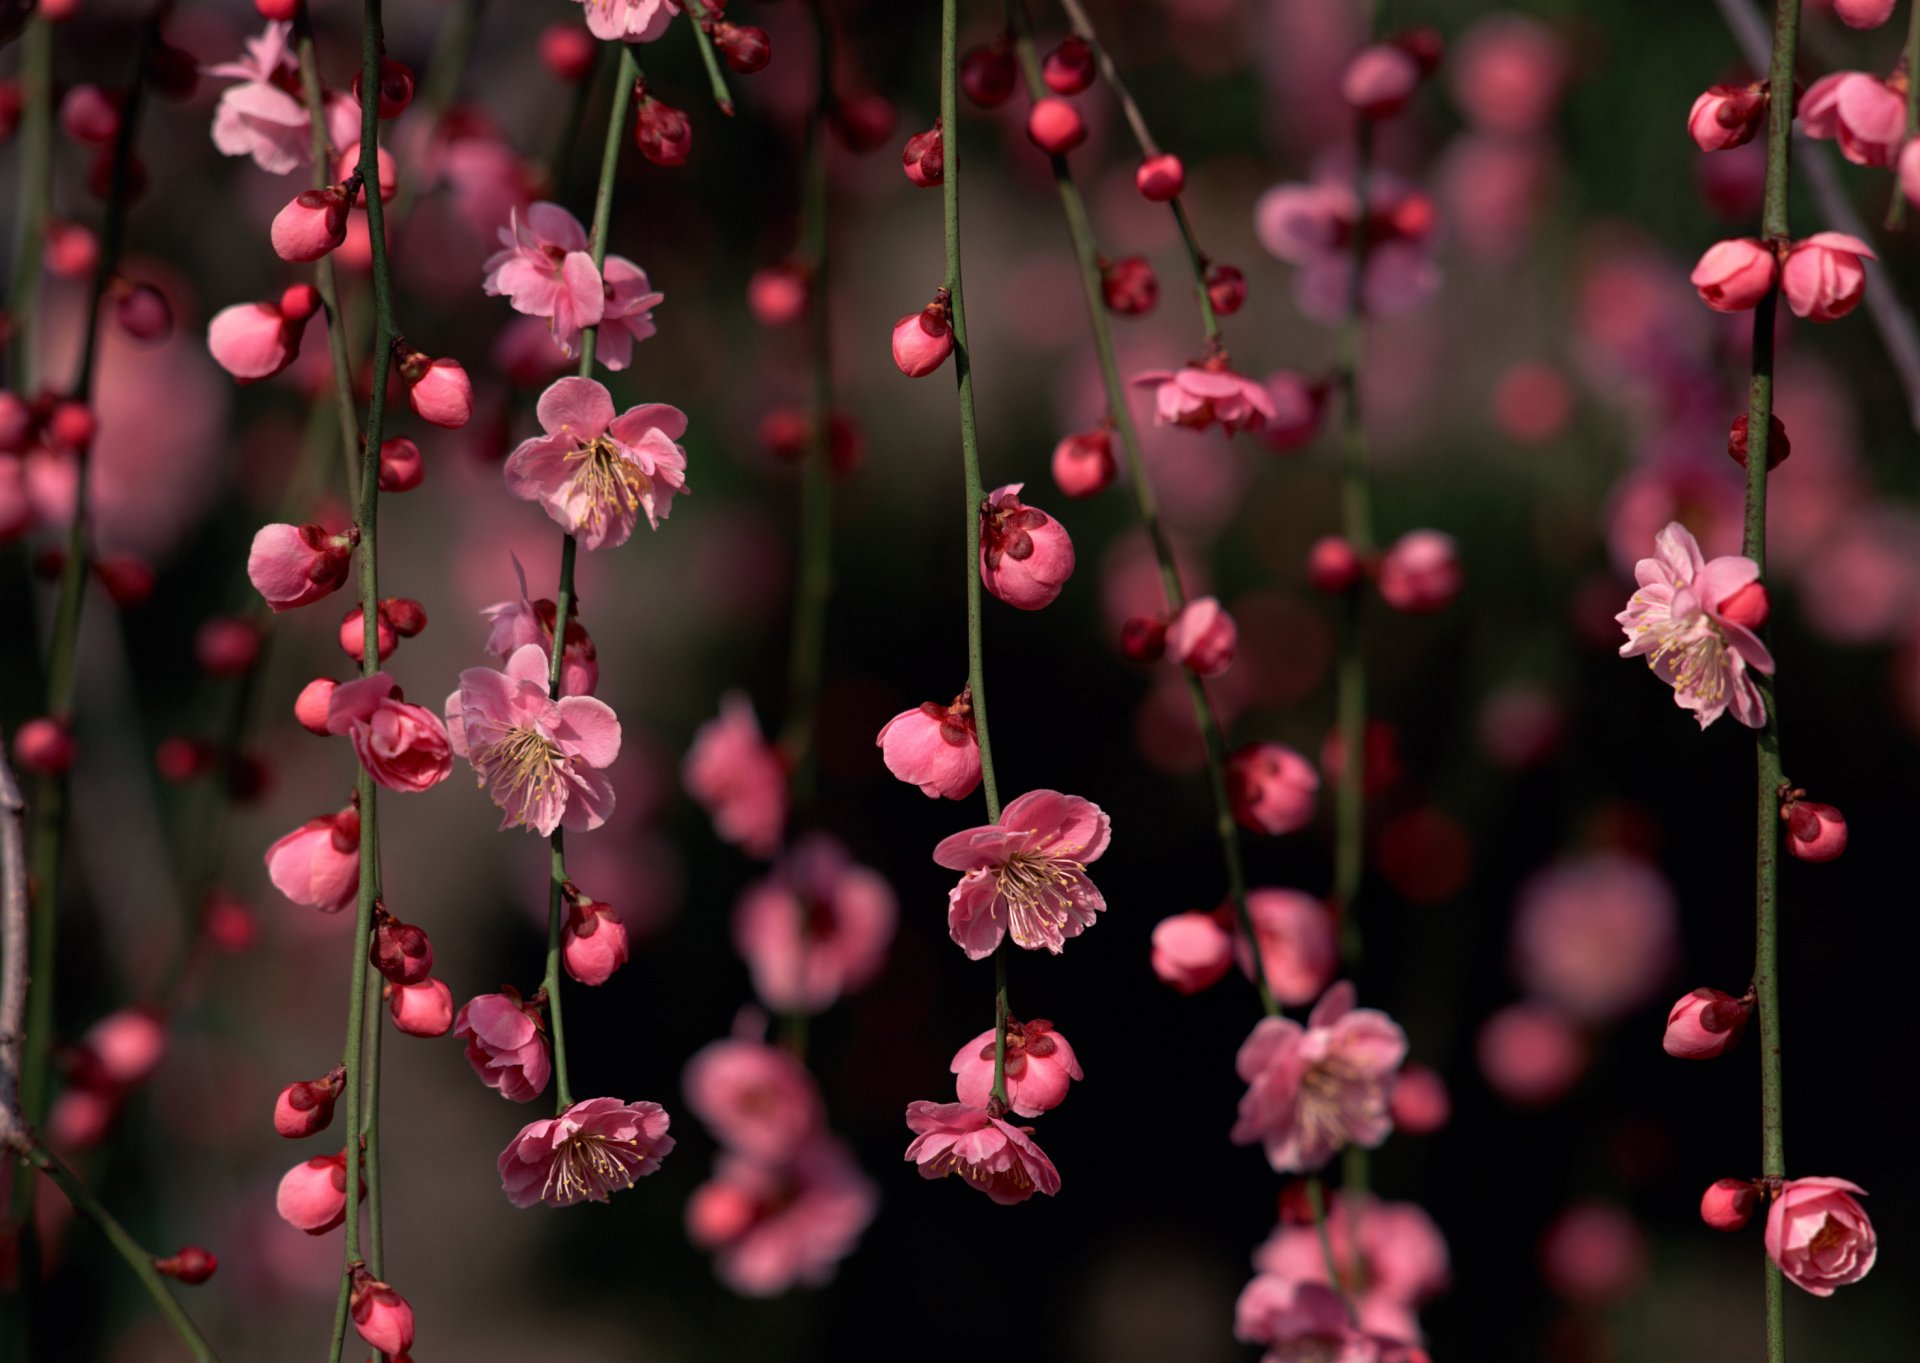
<point>626,311</point>
<point>545,269</point>
<point>1400,1259</point>
<point>1689,618</point>
<point>1312,226</point>
<point>934,747</point>
<point>512,624</point>
<point>263,116</point>
<point>633,21</point>
<point>739,777</point>
<point>539,758</point>
<point>815,929</point>
<point>1205,394</point>
<point>506,1043</point>
<point>771,1226</point>
<point>598,1146</point>
<point>1313,1090</point>
<point>1819,1235</point>
<point>292,565</point>
<point>593,471</point>
<point>1307,1322</point>
<point>758,1100</point>
<point>1026,556</point>
<point>1026,874</point>
<point>1861,112</point>
<point>999,1159</point>
<point>318,864</point>
<point>1040,1065</point>
<point>1298,950</point>
<point>402,746</point>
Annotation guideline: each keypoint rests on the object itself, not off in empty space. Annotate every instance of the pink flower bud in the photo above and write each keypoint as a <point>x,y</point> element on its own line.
<point>310,706</point>
<point>347,165</point>
<point>1191,951</point>
<point>227,646</point>
<point>313,1194</point>
<point>88,114</point>
<point>1334,566</point>
<point>1421,573</point>
<point>1161,178</point>
<point>71,251</point>
<point>567,50</point>
<point>127,579</point>
<point>1298,406</point>
<point>1068,69</point>
<point>934,747</point>
<point>1747,606</point>
<point>1380,80</point>
<point>1727,116</point>
<point>1704,1024</point>
<point>401,468</point>
<point>82,1118</point>
<point>746,49</point>
<point>987,74</point>
<point>1026,555</point>
<point>43,747</point>
<point>864,120</point>
<point>311,225</point>
<point>439,390</point>
<point>143,313</point>
<point>381,1315</point>
<point>1728,1203</point>
<point>506,1043</point>
<point>121,1050</point>
<point>421,1009</point>
<point>299,302</point>
<point>181,760</point>
<point>281,11</point>
<point>1825,275</point>
<point>662,132</point>
<point>254,341</point>
<point>1226,289</point>
<point>396,91</point>
<point>1863,13</point>
<point>407,616</point>
<point>1778,446</point>
<point>595,944</point>
<point>1909,170</point>
<point>292,565</point>
<point>924,158</point>
<point>1083,463</point>
<point>71,425</point>
<point>923,340</point>
<point>1271,788</point>
<point>1055,126</point>
<point>307,1106</point>
<point>1143,639</point>
<point>1419,1103</point>
<point>1203,638</point>
<point>1815,832</point>
<point>1735,275</point>
<point>399,951</point>
<point>1819,1236</point>
<point>192,1266</point>
<point>353,636</point>
<point>777,294</point>
<point>1129,286</point>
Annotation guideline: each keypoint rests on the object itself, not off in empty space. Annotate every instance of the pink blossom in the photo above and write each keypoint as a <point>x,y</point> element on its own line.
<point>1729,1203</point>
<point>254,341</point>
<point>1380,80</point>
<point>439,391</point>
<point>506,1044</point>
<point>1819,1235</point>
<point>122,1049</point>
<point>1598,935</point>
<point>1825,275</point>
<point>593,471</point>
<point>513,624</point>
<point>633,21</point>
<point>1191,951</point>
<point>1420,1104</point>
<point>772,1226</point>
<point>318,864</point>
<point>1271,788</point>
<point>1313,1090</point>
<point>1863,113</point>
<point>1026,556</point>
<point>292,565</point>
<point>595,942</point>
<point>815,929</point>
<point>264,116</point>
<point>1400,1258</point>
<point>381,1316</point>
<point>312,224</point>
<point>739,778</point>
<point>1594,1254</point>
<point>1420,573</point>
<point>1312,226</point>
<point>540,759</point>
<point>596,1147</point>
<point>1083,464</point>
<point>1679,619</point>
<point>1734,275</point>
<point>1026,874</point>
<point>933,746</point>
<point>1307,1322</point>
<point>546,270</point>
<point>424,1009</point>
<point>755,1099</point>
<point>1815,832</point>
<point>1040,1064</point>
<point>1000,1160</point>
<point>402,746</point>
<point>627,313</point>
<point>313,1194</point>
<point>922,341</point>
<point>1705,1023</point>
<point>1297,946</point>
<point>1298,407</point>
<point>1863,13</point>
<point>1202,395</point>
<point>1531,1054</point>
<point>1507,72</point>
<point>1726,116</point>
<point>1203,638</point>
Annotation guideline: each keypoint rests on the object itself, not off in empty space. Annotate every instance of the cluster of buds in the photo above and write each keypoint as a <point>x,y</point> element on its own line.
<point>397,618</point>
<point>1200,636</point>
<point>1382,77</point>
<point>1822,276</point>
<point>116,1055</point>
<point>1419,574</point>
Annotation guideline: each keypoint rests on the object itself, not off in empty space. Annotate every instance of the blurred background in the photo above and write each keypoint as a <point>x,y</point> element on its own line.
<point>1554,835</point>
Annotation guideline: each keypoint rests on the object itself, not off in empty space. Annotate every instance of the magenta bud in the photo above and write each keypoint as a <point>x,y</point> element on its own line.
<point>192,1265</point>
<point>1129,286</point>
<point>1068,69</point>
<point>1815,832</point>
<point>307,1106</point>
<point>1055,126</point>
<point>987,75</point>
<point>1083,464</point>
<point>1746,606</point>
<point>1143,639</point>
<point>1704,1024</point>
<point>1334,567</point>
<point>923,340</point>
<point>1728,1203</point>
<point>924,158</point>
<point>1161,178</point>
<point>400,951</point>
<point>662,132</point>
<point>401,468</point>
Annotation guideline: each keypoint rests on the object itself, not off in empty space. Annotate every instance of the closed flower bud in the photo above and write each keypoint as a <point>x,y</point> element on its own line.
<point>1733,276</point>
<point>987,75</point>
<point>396,89</point>
<point>567,50</point>
<point>126,578</point>
<point>1226,289</point>
<point>1863,13</point>
<point>1143,639</point>
<point>180,760</point>
<point>1203,638</point>
<point>353,635</point>
<point>421,1009</point>
<point>1055,126</point>
<point>1161,178</point>
<point>347,167</point>
<point>1083,463</point>
<point>1727,116</point>
<point>777,294</point>
<point>746,49</point>
<point>1728,1203</point>
<point>1334,566</point>
<point>401,468</point>
<point>864,120</point>
<point>406,615</point>
<point>1271,788</point>
<point>1380,80</point>
<point>312,224</point>
<point>439,390</point>
<point>1778,446</point>
<point>1704,1024</point>
<point>923,340</point>
<point>192,1266</point>
<point>934,747</point>
<point>663,133</point>
<point>399,951</point>
<point>595,944</point>
<point>1026,556</point>
<point>43,747</point>
<point>226,646</point>
<point>1815,832</point>
<point>142,312</point>
<point>380,1314</point>
<point>310,706</point>
<point>307,1106</point>
<point>1129,286</point>
<point>1746,606</point>
<point>1421,573</point>
<point>1191,951</point>
<point>88,114</point>
<point>1068,69</point>
<point>924,158</point>
<point>1825,276</point>
<point>313,1194</point>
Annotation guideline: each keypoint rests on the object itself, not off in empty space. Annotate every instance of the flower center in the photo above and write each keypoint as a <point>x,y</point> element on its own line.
<point>592,1166</point>
<point>523,769</point>
<point>1038,891</point>
<point>1828,1238</point>
<point>611,483</point>
<point>1334,1097</point>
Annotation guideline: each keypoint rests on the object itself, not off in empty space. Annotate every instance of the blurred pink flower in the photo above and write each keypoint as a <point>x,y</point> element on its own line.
<point>1202,395</point>
<point>1506,73</point>
<point>263,116</point>
<point>1863,113</point>
<point>756,1099</point>
<point>627,313</point>
<point>1594,1254</point>
<point>596,1147</point>
<point>1531,1054</point>
<point>1307,1322</point>
<point>739,778</point>
<point>633,21</point>
<point>1040,1064</point>
<point>1598,935</point>
<point>817,928</point>
<point>1203,638</point>
<point>1297,945</point>
<point>506,1044</point>
<point>1272,788</point>
<point>934,747</point>
<point>1315,1089</point>
<point>1819,1235</point>
<point>1420,573</point>
<point>1401,1259</point>
<point>403,746</point>
<point>1683,616</point>
<point>1026,874</point>
<point>318,864</point>
<point>546,270</point>
<point>1191,951</point>
<point>1312,226</point>
<point>1000,1160</point>
<point>771,1227</point>
<point>595,471</point>
<point>540,759</point>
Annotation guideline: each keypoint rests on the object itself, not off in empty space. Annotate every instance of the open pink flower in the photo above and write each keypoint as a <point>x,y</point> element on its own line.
<point>1312,226</point>
<point>1313,1090</point>
<point>1191,951</point>
<point>1026,874</point>
<point>1272,788</point>
<point>596,1147</point>
<point>1863,113</point>
<point>934,747</point>
<point>1680,619</point>
<point>627,312</point>
<point>292,565</point>
<point>402,746</point>
<point>999,1159</point>
<point>512,624</point>
<point>771,1226</point>
<point>539,758</point>
<point>1307,1322</point>
<point>817,928</point>
<point>633,21</point>
<point>264,115</point>
<point>594,471</point>
<point>1297,946</point>
<point>1400,1257</point>
<point>546,270</point>
<point>1040,1066</point>
<point>1026,556</point>
<point>1202,395</point>
<point>506,1044</point>
<point>318,864</point>
<point>1819,1235</point>
<point>755,1098</point>
<point>739,778</point>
